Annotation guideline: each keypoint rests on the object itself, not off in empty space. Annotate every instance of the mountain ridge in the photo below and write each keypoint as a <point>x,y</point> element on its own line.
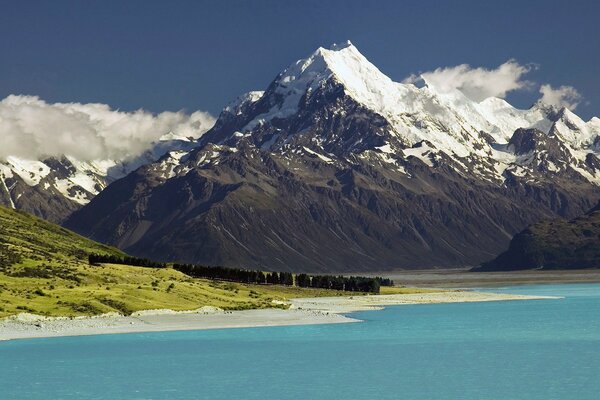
<point>313,174</point>
<point>54,187</point>
<point>553,244</point>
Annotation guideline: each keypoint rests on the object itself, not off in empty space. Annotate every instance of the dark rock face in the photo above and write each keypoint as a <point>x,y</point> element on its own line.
<point>38,201</point>
<point>553,244</point>
<point>252,210</point>
<point>525,141</point>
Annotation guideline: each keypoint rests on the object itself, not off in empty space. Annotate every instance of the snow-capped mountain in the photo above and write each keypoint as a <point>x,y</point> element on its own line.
<point>412,118</point>
<point>55,187</point>
<point>336,167</point>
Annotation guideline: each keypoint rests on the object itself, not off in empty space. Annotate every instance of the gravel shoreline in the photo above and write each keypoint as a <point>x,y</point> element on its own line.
<point>305,311</point>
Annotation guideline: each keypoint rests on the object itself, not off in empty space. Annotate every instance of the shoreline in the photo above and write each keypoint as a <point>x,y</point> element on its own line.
<point>462,278</point>
<point>303,311</point>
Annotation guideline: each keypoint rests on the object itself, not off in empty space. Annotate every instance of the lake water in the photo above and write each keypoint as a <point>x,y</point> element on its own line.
<point>530,350</point>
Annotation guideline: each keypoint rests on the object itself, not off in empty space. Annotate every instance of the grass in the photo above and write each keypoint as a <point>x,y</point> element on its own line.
<point>127,289</point>
<point>30,241</point>
<point>408,290</point>
<point>89,290</point>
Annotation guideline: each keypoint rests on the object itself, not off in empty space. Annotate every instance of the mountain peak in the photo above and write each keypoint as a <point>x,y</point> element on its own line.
<point>451,121</point>
<point>341,46</point>
<point>338,59</point>
<point>344,63</point>
<point>353,162</point>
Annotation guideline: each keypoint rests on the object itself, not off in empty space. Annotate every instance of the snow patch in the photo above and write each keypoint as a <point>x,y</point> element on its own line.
<point>32,172</point>
<point>422,152</point>
<point>321,156</point>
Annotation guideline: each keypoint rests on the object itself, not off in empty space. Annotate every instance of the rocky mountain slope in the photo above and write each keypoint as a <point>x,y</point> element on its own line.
<point>553,244</point>
<point>55,187</point>
<point>335,167</point>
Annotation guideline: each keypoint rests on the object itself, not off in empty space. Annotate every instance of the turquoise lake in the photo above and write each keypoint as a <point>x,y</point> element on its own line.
<point>546,349</point>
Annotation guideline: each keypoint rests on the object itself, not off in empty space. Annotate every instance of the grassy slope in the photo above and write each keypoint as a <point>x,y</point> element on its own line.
<point>44,270</point>
<point>31,241</point>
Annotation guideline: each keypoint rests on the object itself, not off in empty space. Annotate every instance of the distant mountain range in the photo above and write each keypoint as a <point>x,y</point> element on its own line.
<point>335,167</point>
<point>54,187</point>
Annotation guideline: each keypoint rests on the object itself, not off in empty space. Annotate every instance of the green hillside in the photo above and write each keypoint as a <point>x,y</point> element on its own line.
<point>44,270</point>
<point>28,241</point>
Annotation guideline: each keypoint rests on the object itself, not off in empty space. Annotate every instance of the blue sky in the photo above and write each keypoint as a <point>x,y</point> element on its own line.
<point>172,55</point>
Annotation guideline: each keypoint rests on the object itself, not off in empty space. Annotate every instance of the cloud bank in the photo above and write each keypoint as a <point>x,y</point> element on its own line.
<point>33,129</point>
<point>563,96</point>
<point>476,83</point>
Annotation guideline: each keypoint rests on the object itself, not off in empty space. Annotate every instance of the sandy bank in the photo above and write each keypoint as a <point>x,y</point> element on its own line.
<point>306,311</point>
<point>342,305</point>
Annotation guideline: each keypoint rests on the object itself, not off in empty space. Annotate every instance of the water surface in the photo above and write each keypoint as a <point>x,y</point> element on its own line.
<point>530,350</point>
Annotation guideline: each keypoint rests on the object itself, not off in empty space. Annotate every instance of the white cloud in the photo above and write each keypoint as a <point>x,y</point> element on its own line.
<point>563,96</point>
<point>31,128</point>
<point>476,83</point>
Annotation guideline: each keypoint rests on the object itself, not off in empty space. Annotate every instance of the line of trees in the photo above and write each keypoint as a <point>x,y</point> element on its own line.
<point>385,281</point>
<point>343,283</point>
<point>348,284</point>
<point>95,259</point>
<point>236,274</point>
